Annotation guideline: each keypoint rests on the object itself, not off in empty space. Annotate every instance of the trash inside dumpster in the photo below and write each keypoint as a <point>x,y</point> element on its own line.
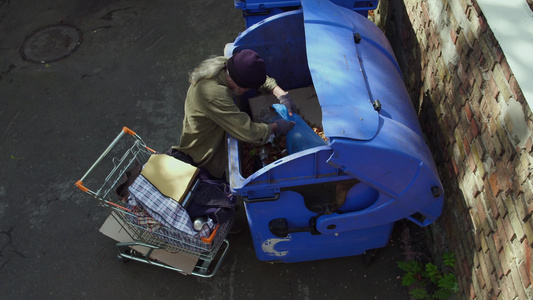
<point>343,196</point>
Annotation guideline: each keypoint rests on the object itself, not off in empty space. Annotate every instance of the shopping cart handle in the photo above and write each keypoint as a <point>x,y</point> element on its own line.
<point>128,131</point>
<point>79,184</point>
<point>209,240</point>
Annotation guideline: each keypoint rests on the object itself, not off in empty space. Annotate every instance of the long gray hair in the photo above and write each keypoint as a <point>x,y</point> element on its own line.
<point>209,68</point>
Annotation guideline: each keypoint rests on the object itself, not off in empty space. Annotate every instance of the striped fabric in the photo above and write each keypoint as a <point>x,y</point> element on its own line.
<point>163,209</point>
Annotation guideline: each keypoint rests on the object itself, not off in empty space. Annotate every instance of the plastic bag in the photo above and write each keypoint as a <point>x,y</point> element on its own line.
<point>302,136</point>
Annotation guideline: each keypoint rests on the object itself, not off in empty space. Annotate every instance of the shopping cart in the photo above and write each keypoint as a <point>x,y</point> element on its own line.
<point>143,239</point>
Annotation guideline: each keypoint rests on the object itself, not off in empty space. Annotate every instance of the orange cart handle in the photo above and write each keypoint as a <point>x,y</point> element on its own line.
<point>79,184</point>
<point>128,131</point>
<point>209,240</point>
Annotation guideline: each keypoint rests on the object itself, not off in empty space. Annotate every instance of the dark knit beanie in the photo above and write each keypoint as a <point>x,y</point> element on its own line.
<point>247,69</point>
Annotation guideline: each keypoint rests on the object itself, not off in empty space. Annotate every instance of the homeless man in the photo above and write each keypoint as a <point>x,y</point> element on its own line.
<point>210,111</point>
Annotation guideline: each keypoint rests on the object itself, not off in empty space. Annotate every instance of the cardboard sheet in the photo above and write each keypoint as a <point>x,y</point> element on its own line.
<point>113,229</point>
<point>172,177</point>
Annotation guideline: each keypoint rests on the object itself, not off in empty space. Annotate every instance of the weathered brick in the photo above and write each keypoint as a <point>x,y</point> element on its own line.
<point>525,266</point>
<point>501,82</point>
<point>521,167</point>
<point>442,71</point>
<point>475,73</point>
<point>453,35</point>
<point>516,223</point>
<point>484,271</point>
<point>474,128</point>
<point>497,49</point>
<point>504,260</point>
<point>495,265</point>
<point>477,228</point>
<point>462,45</point>
<point>499,149</point>
<point>483,23</point>
<point>509,152</point>
<point>466,144</point>
<point>475,259</point>
<point>485,109</point>
<point>468,111</point>
<point>462,72</point>
<point>466,5</point>
<point>490,201</point>
<point>528,230</point>
<point>486,139</point>
<point>463,287</point>
<point>467,131</point>
<point>521,207</point>
<point>484,222</point>
<point>480,279</point>
<point>492,88</point>
<point>529,145</point>
<point>509,232</point>
<point>505,293</point>
<point>455,170</point>
<point>455,115</point>
<point>489,261</point>
<point>465,267</point>
<point>478,189</point>
<point>515,88</point>
<point>495,185</point>
<point>471,161</point>
<point>471,36</point>
<point>489,54</point>
<point>501,207</point>
<point>497,239</point>
<point>474,286</point>
<point>494,107</point>
<point>468,185</point>
<point>506,69</point>
<point>459,149</point>
<point>517,282</point>
<point>505,183</point>
<point>496,289</point>
<point>509,284</point>
<point>477,153</point>
<point>518,250</point>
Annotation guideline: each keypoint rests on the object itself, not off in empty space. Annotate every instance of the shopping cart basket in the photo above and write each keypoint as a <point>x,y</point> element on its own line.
<point>113,164</point>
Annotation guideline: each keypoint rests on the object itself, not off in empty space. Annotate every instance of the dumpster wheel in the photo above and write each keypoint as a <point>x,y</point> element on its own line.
<point>368,256</point>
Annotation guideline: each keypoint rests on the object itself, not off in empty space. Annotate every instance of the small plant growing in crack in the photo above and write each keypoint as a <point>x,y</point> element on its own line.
<point>428,281</point>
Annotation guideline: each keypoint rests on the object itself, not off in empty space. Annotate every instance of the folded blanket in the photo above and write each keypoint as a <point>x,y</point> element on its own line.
<point>163,209</point>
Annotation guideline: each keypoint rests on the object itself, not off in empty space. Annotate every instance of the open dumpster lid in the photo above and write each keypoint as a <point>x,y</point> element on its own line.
<point>337,69</point>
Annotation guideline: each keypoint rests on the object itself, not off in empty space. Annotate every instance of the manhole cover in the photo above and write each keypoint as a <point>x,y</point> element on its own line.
<point>51,43</point>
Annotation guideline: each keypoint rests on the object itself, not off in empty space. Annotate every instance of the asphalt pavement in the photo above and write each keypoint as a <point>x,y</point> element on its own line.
<point>126,66</point>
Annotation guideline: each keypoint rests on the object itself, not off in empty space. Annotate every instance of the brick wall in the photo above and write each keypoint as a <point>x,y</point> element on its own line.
<point>479,128</point>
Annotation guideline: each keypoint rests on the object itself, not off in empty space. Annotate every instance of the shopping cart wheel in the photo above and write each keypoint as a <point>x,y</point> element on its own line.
<point>122,258</point>
<point>125,256</point>
<point>368,256</point>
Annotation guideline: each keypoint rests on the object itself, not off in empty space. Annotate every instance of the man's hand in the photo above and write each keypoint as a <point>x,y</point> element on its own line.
<point>287,101</point>
<point>282,127</point>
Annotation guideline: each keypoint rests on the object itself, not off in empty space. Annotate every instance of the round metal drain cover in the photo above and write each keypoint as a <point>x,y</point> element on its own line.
<point>51,43</point>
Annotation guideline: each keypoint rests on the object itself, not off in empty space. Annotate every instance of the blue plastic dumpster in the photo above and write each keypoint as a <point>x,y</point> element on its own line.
<point>342,198</point>
<point>255,11</point>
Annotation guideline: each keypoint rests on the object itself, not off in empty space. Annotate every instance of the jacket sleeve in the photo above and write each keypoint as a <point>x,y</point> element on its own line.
<point>238,124</point>
<point>268,86</point>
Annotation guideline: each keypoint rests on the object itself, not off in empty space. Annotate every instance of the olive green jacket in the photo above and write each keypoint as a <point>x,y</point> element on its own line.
<point>210,113</point>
